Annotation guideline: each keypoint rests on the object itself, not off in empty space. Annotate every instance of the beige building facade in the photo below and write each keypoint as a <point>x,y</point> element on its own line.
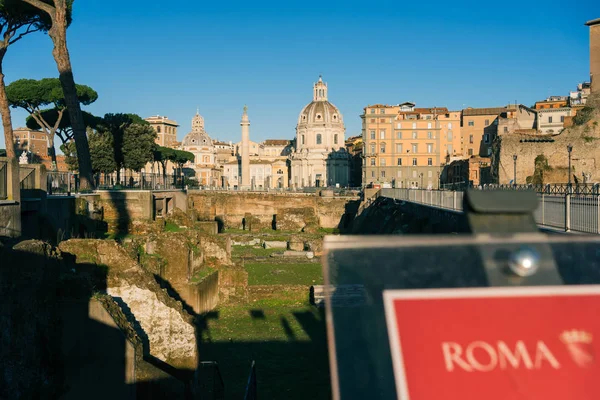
<point>166,130</point>
<point>199,143</point>
<point>406,146</point>
<point>479,127</point>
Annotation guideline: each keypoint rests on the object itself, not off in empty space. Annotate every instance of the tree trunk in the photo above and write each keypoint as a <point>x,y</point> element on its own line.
<point>9,139</point>
<point>58,34</point>
<point>52,150</point>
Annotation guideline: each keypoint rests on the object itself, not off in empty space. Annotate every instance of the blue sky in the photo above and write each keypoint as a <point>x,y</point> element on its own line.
<point>153,58</point>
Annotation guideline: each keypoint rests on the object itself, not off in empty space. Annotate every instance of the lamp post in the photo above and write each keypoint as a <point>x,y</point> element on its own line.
<point>421,175</point>
<point>569,149</point>
<point>439,180</point>
<point>515,170</point>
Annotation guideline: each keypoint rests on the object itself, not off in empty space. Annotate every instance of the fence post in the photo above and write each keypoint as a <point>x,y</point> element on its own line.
<point>598,213</point>
<point>454,199</point>
<point>69,184</point>
<point>568,212</point>
<point>543,209</point>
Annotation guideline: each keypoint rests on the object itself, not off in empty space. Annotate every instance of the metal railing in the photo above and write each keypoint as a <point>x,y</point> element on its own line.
<point>210,381</point>
<point>3,180</point>
<point>252,386</point>
<point>62,183</point>
<point>554,188</point>
<point>567,212</point>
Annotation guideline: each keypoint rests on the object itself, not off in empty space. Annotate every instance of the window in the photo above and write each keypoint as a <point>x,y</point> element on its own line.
<point>382,147</point>
<point>414,148</point>
<point>372,174</point>
<point>372,148</point>
<point>399,161</point>
<point>562,118</point>
<point>430,148</point>
<point>302,139</point>
<point>486,138</point>
<point>449,136</point>
<point>372,135</point>
<point>372,162</point>
<point>399,125</point>
<point>449,125</point>
<point>399,174</point>
<point>429,135</point>
<point>318,138</point>
<point>429,125</point>
<point>549,120</point>
<point>429,174</point>
<point>471,123</point>
<point>381,134</point>
<point>382,111</point>
<point>372,111</point>
<point>414,174</point>
<point>33,136</point>
<point>398,135</point>
<point>506,129</point>
<point>450,149</point>
<point>414,161</point>
<point>414,125</point>
<point>335,139</point>
<point>470,152</point>
<point>158,129</point>
<point>414,135</point>
<point>382,162</point>
<point>383,174</point>
<point>471,139</point>
<point>487,122</point>
<point>430,161</point>
<point>399,148</point>
<point>372,120</point>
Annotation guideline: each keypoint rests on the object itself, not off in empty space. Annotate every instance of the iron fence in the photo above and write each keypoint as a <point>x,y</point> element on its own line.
<point>3,180</point>
<point>568,212</point>
<point>62,183</point>
<point>251,387</point>
<point>555,188</point>
<point>210,381</point>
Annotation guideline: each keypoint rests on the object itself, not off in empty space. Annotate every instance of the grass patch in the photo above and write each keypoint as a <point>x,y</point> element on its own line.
<point>589,139</point>
<point>284,274</point>
<point>288,343</point>
<point>250,251</point>
<point>235,230</point>
<point>200,275</point>
<point>329,231</point>
<point>171,227</point>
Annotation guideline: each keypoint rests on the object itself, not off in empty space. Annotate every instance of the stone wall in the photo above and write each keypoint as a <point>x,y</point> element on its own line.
<point>585,157</point>
<point>10,209</point>
<point>232,208</point>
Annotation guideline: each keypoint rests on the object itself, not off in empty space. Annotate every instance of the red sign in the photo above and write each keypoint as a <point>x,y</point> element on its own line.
<point>495,343</point>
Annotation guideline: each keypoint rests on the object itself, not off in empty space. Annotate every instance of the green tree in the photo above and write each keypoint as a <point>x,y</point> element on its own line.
<point>102,152</point>
<point>31,95</point>
<point>116,124</point>
<point>162,155</point>
<point>64,131</point>
<point>138,146</point>
<point>70,153</point>
<point>17,20</point>
<point>59,14</point>
<point>181,157</point>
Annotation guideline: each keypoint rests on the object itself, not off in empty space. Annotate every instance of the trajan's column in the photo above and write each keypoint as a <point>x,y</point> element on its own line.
<point>245,123</point>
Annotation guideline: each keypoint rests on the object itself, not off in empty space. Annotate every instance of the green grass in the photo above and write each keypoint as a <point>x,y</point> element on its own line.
<point>284,273</point>
<point>200,275</point>
<point>171,227</point>
<point>250,251</point>
<point>329,231</point>
<point>288,343</point>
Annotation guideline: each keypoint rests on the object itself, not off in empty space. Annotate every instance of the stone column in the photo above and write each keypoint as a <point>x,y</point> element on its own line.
<point>245,123</point>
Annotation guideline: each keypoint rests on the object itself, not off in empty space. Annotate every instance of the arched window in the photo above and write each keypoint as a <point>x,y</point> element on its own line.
<point>335,138</point>
<point>158,129</point>
<point>318,138</point>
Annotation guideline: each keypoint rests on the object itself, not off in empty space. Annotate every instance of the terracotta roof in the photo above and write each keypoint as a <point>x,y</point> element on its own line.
<point>277,142</point>
<point>484,111</point>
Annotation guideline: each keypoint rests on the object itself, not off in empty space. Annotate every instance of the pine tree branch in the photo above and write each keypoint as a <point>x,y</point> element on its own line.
<point>42,6</point>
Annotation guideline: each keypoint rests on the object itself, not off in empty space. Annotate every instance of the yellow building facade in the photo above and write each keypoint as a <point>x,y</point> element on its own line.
<point>406,146</point>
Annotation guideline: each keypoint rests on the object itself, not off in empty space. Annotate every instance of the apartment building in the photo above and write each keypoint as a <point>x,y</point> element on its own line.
<point>166,130</point>
<point>479,127</point>
<point>34,142</point>
<point>406,146</point>
<point>552,113</point>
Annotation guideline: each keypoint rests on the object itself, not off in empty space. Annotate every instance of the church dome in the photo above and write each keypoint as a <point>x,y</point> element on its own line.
<point>320,111</point>
<point>198,136</point>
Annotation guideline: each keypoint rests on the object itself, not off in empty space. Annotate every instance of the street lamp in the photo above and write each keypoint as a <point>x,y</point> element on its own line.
<point>421,175</point>
<point>515,170</point>
<point>569,149</point>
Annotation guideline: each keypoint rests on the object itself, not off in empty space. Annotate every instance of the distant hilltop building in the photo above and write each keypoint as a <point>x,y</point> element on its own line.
<point>320,157</point>
<point>166,130</point>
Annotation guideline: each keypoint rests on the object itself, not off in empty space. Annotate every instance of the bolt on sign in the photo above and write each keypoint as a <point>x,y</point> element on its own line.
<point>463,317</point>
<point>495,343</point>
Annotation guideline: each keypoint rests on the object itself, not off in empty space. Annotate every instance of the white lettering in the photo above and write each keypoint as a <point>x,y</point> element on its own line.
<point>514,358</point>
<point>542,352</point>
<point>493,358</point>
<point>452,352</point>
